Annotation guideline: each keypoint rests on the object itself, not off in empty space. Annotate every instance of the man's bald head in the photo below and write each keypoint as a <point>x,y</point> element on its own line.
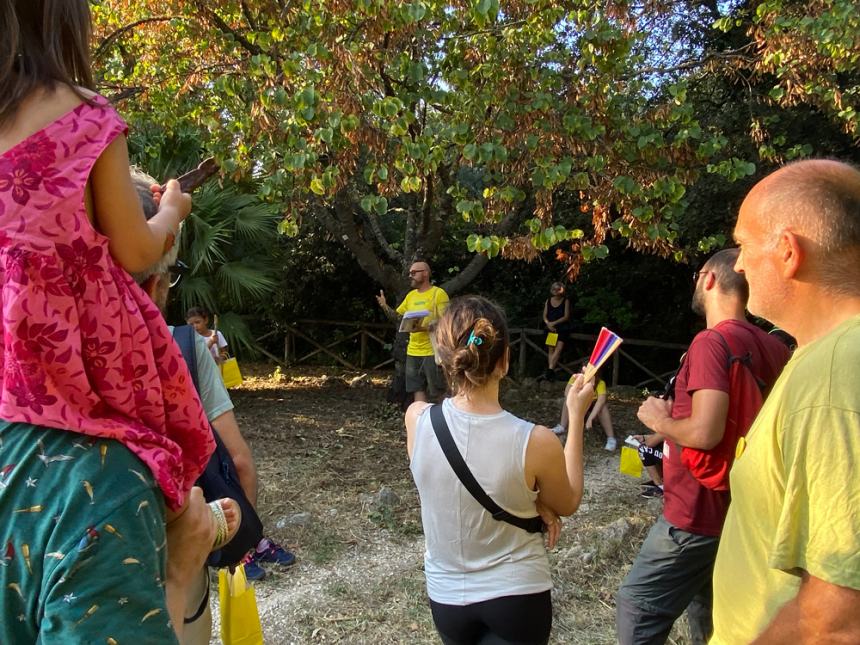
<point>819,200</point>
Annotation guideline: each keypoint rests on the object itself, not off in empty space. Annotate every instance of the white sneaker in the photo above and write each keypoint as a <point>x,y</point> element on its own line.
<point>559,430</point>
<point>611,443</point>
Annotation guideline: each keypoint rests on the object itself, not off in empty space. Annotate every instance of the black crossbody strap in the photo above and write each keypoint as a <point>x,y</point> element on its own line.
<point>458,464</point>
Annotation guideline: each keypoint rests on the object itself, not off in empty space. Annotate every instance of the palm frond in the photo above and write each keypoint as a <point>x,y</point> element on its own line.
<point>239,336</point>
<point>256,221</point>
<point>241,280</point>
<point>205,244</point>
<point>196,291</point>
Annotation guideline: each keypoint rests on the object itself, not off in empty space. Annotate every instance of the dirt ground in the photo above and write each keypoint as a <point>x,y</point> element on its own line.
<point>325,448</point>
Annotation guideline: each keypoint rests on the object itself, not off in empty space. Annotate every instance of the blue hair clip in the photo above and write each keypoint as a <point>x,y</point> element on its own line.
<point>474,340</point>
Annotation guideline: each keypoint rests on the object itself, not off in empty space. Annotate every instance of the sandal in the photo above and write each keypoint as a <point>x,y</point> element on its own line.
<point>223,534</point>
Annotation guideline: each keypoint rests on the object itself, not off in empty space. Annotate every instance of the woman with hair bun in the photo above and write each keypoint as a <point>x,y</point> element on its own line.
<point>489,580</point>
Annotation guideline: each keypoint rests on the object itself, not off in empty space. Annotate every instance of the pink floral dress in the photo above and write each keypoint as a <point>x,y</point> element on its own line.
<point>84,348</point>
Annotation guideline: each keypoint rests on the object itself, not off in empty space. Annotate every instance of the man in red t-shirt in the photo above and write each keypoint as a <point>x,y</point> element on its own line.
<point>673,569</point>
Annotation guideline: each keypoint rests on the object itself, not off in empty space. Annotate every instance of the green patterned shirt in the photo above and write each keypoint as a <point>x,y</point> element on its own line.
<point>82,541</point>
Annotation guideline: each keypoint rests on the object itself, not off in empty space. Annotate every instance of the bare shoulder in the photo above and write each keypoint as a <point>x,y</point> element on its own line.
<point>63,98</point>
<point>414,411</point>
<point>543,441</point>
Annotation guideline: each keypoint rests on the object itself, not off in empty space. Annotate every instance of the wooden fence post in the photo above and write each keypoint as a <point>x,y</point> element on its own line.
<point>616,360</point>
<point>362,360</point>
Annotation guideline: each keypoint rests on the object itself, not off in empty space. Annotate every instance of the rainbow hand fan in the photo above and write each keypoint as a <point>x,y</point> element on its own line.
<point>607,343</point>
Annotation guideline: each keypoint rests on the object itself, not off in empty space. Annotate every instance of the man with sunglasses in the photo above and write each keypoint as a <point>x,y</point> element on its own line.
<point>423,377</point>
<point>673,569</point>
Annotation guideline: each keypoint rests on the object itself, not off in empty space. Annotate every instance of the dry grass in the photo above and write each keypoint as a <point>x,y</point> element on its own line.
<point>323,448</point>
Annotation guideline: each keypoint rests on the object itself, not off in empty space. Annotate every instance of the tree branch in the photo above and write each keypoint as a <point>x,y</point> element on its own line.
<point>411,233</point>
<point>221,24</point>
<point>340,221</point>
<point>111,38</point>
<point>247,13</point>
<point>734,54</point>
<point>480,260</point>
<point>469,273</point>
<point>393,254</point>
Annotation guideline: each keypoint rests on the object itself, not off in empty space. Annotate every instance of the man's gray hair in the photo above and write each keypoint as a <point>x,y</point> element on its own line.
<point>142,183</point>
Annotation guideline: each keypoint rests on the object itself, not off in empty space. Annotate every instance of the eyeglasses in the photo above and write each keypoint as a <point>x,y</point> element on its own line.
<point>414,271</point>
<point>176,271</point>
<point>698,274</point>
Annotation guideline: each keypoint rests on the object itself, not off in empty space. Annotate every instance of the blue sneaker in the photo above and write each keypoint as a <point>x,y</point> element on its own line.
<point>254,571</point>
<point>275,554</point>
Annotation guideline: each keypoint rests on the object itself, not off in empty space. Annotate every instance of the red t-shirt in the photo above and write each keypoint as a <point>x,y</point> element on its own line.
<point>687,504</point>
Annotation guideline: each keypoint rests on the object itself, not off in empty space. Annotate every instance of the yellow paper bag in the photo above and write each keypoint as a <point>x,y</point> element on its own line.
<point>630,462</point>
<point>551,339</point>
<point>230,373</point>
<point>240,620</point>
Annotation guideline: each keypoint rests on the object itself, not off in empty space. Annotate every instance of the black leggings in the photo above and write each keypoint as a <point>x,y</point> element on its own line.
<point>509,620</point>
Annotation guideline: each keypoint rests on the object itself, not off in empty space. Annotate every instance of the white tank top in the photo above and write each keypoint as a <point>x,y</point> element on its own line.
<point>470,557</point>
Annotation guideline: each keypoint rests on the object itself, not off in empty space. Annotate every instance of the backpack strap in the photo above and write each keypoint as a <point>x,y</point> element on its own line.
<point>184,337</point>
<point>458,464</point>
<point>745,360</point>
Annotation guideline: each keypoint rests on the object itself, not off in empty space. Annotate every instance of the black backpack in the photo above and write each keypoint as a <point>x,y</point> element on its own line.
<point>220,479</point>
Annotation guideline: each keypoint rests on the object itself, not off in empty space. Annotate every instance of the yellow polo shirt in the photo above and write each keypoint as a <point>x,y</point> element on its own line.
<point>795,490</point>
<point>433,300</point>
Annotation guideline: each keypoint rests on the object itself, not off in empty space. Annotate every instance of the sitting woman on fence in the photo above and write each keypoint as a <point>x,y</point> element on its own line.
<point>488,578</point>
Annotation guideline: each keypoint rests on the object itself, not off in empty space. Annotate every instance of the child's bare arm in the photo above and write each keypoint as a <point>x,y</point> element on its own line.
<point>135,243</point>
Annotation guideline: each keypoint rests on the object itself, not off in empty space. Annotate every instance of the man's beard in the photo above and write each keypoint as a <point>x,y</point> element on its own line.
<point>698,303</point>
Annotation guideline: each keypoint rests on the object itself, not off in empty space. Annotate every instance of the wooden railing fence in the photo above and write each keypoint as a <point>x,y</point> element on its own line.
<point>361,345</point>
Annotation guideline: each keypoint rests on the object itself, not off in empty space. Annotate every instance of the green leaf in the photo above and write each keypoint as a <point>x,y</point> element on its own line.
<point>416,11</point>
<point>317,186</point>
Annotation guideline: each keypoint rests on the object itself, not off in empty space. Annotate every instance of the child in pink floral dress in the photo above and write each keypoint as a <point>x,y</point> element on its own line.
<point>82,346</point>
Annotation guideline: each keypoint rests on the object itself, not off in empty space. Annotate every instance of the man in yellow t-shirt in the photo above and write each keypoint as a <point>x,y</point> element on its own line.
<point>788,566</point>
<point>423,377</point>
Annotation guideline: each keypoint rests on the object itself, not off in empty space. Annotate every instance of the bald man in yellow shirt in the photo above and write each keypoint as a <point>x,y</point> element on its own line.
<point>423,377</point>
<point>788,566</point>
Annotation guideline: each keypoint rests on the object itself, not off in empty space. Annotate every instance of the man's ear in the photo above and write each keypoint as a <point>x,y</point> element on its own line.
<point>791,253</point>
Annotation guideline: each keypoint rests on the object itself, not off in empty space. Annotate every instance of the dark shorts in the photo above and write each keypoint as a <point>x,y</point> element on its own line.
<point>423,375</point>
<point>509,620</point>
<point>672,573</point>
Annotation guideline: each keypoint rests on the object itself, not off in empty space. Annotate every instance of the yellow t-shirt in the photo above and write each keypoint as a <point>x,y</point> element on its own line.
<point>433,300</point>
<point>599,389</point>
<point>795,495</point>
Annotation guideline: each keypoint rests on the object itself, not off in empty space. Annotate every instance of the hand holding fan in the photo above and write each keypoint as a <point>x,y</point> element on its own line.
<point>607,343</point>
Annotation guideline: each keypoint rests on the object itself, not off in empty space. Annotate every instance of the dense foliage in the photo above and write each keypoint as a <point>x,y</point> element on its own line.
<point>548,130</point>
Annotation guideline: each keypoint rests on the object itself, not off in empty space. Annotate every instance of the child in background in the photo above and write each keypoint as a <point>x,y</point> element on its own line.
<point>599,410</point>
<point>198,318</point>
